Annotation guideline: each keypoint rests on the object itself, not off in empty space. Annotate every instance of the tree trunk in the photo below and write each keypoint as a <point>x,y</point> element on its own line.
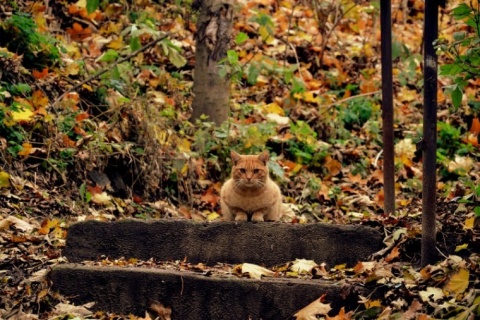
<point>212,92</point>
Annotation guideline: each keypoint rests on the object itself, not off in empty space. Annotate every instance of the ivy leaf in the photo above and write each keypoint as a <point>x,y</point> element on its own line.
<point>457,95</point>
<point>241,38</point>
<point>476,210</point>
<point>109,56</point>
<point>92,5</point>
<point>462,11</point>
<point>135,43</point>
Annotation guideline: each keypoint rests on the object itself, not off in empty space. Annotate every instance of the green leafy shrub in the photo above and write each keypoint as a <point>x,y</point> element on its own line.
<point>463,52</point>
<point>19,34</point>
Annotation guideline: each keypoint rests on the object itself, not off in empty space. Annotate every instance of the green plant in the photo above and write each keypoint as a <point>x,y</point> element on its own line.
<point>463,52</point>
<point>19,34</point>
<point>357,113</point>
<point>449,141</point>
<point>10,129</point>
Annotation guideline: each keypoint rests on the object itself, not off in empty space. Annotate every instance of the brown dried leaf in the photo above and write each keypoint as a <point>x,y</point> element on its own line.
<point>311,311</point>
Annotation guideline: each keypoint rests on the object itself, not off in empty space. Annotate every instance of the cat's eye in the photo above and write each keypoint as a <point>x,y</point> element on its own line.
<point>256,171</point>
<point>242,170</point>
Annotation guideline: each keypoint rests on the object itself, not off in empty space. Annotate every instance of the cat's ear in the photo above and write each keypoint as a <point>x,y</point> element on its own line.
<point>263,157</point>
<point>235,157</point>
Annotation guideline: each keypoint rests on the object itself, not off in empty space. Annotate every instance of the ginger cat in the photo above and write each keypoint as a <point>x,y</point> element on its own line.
<point>250,192</point>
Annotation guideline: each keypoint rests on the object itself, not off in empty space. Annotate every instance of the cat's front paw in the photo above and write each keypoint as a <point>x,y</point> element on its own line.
<point>258,216</point>
<point>241,216</point>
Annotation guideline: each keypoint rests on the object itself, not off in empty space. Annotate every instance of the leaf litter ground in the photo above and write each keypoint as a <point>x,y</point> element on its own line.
<point>306,86</point>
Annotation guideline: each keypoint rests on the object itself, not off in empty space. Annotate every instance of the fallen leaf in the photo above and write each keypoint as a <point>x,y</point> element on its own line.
<point>431,294</point>
<point>395,253</point>
<point>412,310</point>
<point>77,311</point>
<point>458,282</point>
<point>311,311</point>
<point>255,271</point>
<point>469,223</point>
<point>302,266</point>
<point>461,165</point>
<point>40,74</point>
<point>101,198</point>
<point>161,312</point>
<point>18,223</point>
<point>4,180</point>
<point>341,315</point>
<point>333,166</point>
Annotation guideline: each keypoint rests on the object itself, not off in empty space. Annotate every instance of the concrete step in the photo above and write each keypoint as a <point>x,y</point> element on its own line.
<point>261,243</point>
<point>194,296</point>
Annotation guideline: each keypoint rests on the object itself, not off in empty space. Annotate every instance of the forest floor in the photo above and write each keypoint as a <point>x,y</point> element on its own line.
<point>76,145</point>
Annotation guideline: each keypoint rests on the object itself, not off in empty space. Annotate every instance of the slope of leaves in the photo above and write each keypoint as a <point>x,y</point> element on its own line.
<point>76,144</point>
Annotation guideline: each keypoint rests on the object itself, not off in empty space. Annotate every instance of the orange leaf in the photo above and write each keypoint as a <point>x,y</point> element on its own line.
<point>47,225</point>
<point>39,100</point>
<point>392,255</point>
<point>26,149</point>
<point>94,190</point>
<point>341,315</point>
<point>333,166</point>
<point>475,127</point>
<point>81,116</point>
<point>18,239</point>
<point>380,198</point>
<point>210,197</point>
<point>67,142</point>
<point>40,74</point>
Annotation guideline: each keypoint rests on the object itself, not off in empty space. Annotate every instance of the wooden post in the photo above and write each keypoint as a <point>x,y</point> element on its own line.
<point>387,107</point>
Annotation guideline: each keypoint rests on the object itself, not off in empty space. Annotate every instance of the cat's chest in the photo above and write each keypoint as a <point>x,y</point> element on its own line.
<point>250,201</point>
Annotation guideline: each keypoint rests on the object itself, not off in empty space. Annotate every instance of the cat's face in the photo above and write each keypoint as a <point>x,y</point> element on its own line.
<point>250,171</point>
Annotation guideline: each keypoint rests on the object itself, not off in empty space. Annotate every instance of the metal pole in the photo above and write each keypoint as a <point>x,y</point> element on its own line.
<point>387,106</point>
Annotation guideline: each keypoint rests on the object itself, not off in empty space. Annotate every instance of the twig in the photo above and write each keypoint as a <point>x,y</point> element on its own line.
<point>328,106</point>
<point>109,67</point>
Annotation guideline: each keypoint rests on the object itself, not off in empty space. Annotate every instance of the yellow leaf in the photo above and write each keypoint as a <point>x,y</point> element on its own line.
<point>372,303</point>
<point>184,145</point>
<point>116,44</point>
<point>469,223</point>
<point>266,35</point>
<point>4,180</point>
<point>407,95</point>
<point>458,283</point>
<point>461,247</point>
<point>212,216</point>
<point>405,150</point>
<point>274,108</point>
<point>256,271</point>
<point>24,114</point>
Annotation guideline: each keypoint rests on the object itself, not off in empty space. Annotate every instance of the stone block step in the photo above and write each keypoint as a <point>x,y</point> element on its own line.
<point>194,296</point>
<point>261,243</point>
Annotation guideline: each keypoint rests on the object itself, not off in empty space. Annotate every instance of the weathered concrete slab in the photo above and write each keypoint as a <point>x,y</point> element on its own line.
<point>229,242</point>
<point>194,296</point>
